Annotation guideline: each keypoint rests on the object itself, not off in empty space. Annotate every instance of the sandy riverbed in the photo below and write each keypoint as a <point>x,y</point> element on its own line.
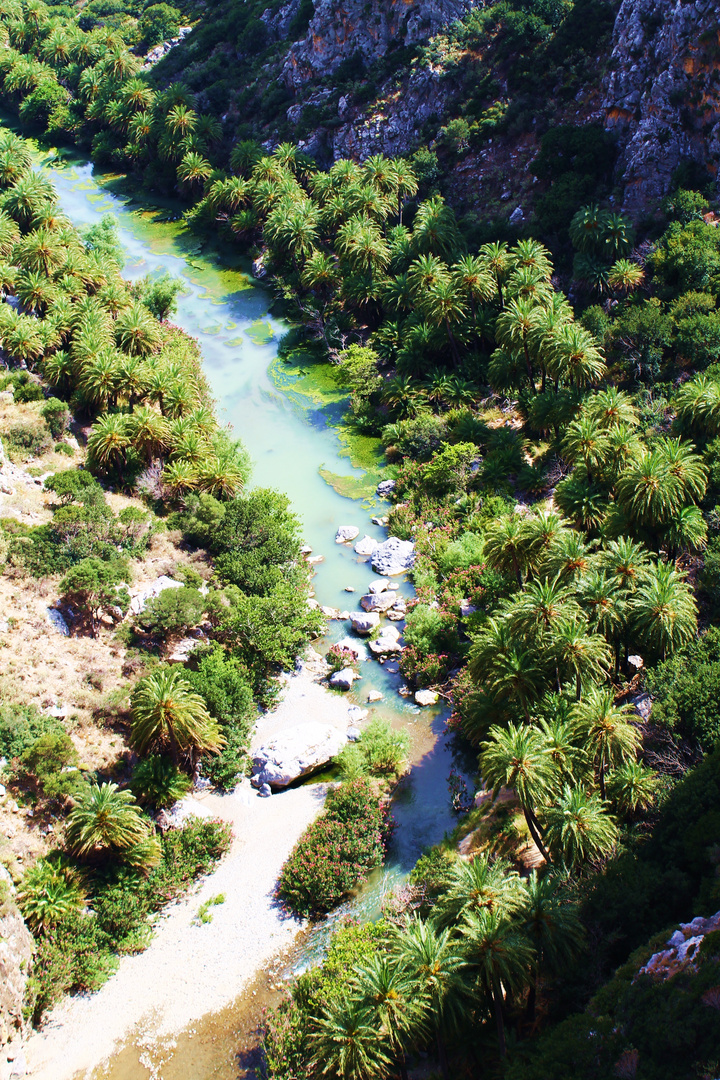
<point>190,970</point>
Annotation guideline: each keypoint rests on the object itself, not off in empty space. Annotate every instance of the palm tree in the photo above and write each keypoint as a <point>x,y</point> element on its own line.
<point>109,441</point>
<point>586,440</point>
<point>136,331</point>
<point>346,1043</point>
<point>361,241</point>
<point>577,359</point>
<point>625,276</point>
<point>542,606</point>
<point>625,559</point>
<point>516,674</point>
<point>697,403</point>
<point>48,893</point>
<point>685,467</point>
<point>663,609</point>
<point>506,545</point>
<point>579,653</point>
<point>587,228</point>
<point>105,818</point>
<point>165,709</point>
<point>24,199</point>
<point>514,327</point>
<point>632,787</point>
<point>435,229</point>
<point>648,492</point>
<point>517,757</point>
<point>567,555</point>
<point>473,278</point>
<point>499,262</point>
<point>385,988</point>
<point>481,884</point>
<point>552,925</point>
<point>686,532</point>
<point>149,431</point>
<point>41,250</point>
<point>601,599</point>
<point>445,307</point>
<point>434,965</point>
<point>223,474</point>
<point>502,956</point>
<point>35,291</point>
<point>194,170</point>
<point>99,379</point>
<point>180,476</point>
<point>606,731</point>
<point>21,340</point>
<point>579,829</point>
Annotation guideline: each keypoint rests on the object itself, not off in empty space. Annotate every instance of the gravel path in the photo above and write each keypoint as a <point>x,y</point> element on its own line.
<point>190,970</point>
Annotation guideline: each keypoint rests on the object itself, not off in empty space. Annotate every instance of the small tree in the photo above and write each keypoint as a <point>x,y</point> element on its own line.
<point>94,584</point>
<point>173,611</point>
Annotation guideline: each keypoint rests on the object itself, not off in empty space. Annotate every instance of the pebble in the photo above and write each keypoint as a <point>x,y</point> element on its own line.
<point>349,588</point>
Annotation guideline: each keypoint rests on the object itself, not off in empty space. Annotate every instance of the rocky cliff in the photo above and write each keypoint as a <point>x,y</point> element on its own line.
<point>662,94</point>
<point>16,949</point>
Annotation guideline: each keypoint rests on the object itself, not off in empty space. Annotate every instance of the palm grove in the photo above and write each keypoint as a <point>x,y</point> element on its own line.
<point>485,385</point>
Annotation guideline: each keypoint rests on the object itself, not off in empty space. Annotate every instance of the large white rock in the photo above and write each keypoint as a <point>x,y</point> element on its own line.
<point>378,585</point>
<point>343,679</point>
<point>364,622</point>
<point>366,546</point>
<point>387,641</point>
<point>180,813</point>
<point>138,602</point>
<point>393,557</point>
<point>358,647</point>
<point>295,754</point>
<point>56,620</point>
<point>345,533</point>
<point>377,601</point>
<point>426,697</point>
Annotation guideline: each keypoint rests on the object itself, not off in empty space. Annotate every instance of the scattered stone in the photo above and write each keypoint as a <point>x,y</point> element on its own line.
<point>298,753</point>
<point>382,521</point>
<point>396,614</point>
<point>377,601</point>
<point>330,612</point>
<point>394,585</point>
<point>183,810</point>
<point>349,588</point>
<point>313,604</point>
<point>315,559</point>
<point>517,216</point>
<point>149,592</point>
<point>359,648</point>
<point>354,734</point>
<point>306,550</point>
<point>635,663</point>
<point>643,705</point>
<point>426,697</point>
<point>343,679</point>
<point>385,488</point>
<point>356,714</point>
<point>345,533</point>
<point>265,791</point>
<point>374,695</point>
<point>182,649</point>
<point>364,622</point>
<point>378,585</point>
<point>3,792</point>
<point>59,711</point>
<point>393,557</point>
<point>684,948</point>
<point>366,546</point>
<point>392,667</point>
<point>466,609</point>
<point>387,641</point>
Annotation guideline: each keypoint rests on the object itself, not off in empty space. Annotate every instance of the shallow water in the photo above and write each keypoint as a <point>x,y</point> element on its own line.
<point>290,439</point>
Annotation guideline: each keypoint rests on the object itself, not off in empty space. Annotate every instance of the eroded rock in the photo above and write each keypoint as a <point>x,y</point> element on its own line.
<point>298,753</point>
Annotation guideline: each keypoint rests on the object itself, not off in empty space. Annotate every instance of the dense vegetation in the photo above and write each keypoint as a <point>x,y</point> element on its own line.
<point>555,455</point>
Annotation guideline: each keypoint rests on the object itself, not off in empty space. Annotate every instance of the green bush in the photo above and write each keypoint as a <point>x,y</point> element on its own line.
<point>686,690</point>
<point>56,415</point>
<point>21,726</point>
<point>75,486</point>
<point>157,782</point>
<point>225,685</point>
<point>27,437</point>
<point>47,757</point>
<point>173,611</point>
<point>380,751</point>
<point>336,851</point>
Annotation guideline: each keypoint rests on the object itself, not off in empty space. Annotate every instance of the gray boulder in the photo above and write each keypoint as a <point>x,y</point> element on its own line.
<point>387,641</point>
<point>366,546</point>
<point>385,488</point>
<point>425,697</point>
<point>364,622</point>
<point>378,585</point>
<point>297,753</point>
<point>343,679</point>
<point>377,601</point>
<point>393,557</point>
<point>345,533</point>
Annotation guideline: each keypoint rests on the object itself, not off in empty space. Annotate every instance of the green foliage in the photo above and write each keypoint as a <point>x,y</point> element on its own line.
<point>93,584</point>
<point>157,782</point>
<point>336,851</point>
<point>48,759</point>
<point>224,683</point>
<point>380,751</point>
<point>21,726</point>
<point>56,415</point>
<point>158,22</point>
<point>173,611</point>
<point>686,690</point>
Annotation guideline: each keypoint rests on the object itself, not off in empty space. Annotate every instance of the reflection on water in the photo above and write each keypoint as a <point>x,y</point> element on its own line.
<point>290,439</point>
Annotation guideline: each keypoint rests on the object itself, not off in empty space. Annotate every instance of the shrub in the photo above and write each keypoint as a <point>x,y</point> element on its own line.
<point>336,851</point>
<point>224,684</point>
<point>158,782</point>
<point>28,437</point>
<point>380,751</point>
<point>686,690</point>
<point>75,486</point>
<point>46,759</point>
<point>48,893</point>
<point>173,611</point>
<point>56,415</point>
<point>21,726</point>
<point>94,584</point>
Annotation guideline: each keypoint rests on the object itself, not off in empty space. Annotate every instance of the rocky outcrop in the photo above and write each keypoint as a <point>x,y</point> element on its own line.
<point>662,95</point>
<point>295,754</point>
<point>340,29</point>
<point>16,950</point>
<point>683,948</point>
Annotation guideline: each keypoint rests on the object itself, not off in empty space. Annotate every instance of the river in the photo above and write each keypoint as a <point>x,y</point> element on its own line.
<point>291,437</point>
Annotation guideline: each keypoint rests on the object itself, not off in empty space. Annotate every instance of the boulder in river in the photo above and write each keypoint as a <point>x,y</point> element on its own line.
<point>426,697</point>
<point>343,679</point>
<point>377,601</point>
<point>345,533</point>
<point>387,641</point>
<point>385,488</point>
<point>393,556</point>
<point>364,622</point>
<point>296,753</point>
<point>378,585</point>
<point>366,546</point>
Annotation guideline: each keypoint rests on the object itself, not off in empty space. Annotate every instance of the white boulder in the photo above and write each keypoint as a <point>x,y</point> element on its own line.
<point>377,601</point>
<point>379,585</point>
<point>426,697</point>
<point>149,592</point>
<point>343,679</point>
<point>345,533</point>
<point>393,557</point>
<point>298,753</point>
<point>366,546</point>
<point>364,622</point>
<point>374,695</point>
<point>387,641</point>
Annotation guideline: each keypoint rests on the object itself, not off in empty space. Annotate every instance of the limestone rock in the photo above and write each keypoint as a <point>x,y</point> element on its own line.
<point>353,734</point>
<point>385,488</point>
<point>377,601</point>
<point>364,622</point>
<point>16,950</point>
<point>345,533</point>
<point>298,753</point>
<point>149,592</point>
<point>356,714</point>
<point>366,546</point>
<point>182,811</point>
<point>343,679</point>
<point>58,622</point>
<point>378,585</point>
<point>387,641</point>
<point>684,947</point>
<point>466,609</point>
<point>393,557</point>
<point>426,697</point>
<point>374,695</point>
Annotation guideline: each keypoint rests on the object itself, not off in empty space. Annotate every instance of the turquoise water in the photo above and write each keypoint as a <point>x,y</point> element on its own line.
<point>289,440</point>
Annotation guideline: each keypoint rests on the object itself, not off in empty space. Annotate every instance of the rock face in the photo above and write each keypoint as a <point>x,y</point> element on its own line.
<point>662,98</point>
<point>393,557</point>
<point>296,754</point>
<point>340,29</point>
<point>683,948</point>
<point>16,950</point>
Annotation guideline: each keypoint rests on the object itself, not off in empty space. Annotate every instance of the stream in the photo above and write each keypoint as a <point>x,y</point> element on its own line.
<point>290,437</point>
